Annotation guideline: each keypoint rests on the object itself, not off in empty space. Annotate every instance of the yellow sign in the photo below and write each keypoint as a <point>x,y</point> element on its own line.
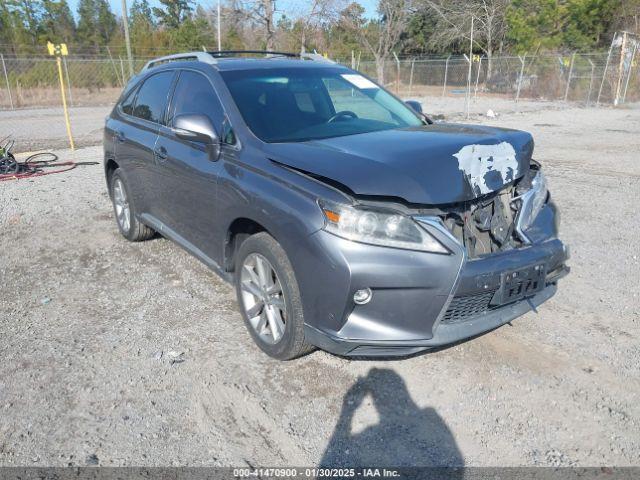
<point>57,50</point>
<point>476,58</point>
<point>60,51</point>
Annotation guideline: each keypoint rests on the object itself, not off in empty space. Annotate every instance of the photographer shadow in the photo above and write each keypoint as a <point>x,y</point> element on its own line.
<point>405,435</point>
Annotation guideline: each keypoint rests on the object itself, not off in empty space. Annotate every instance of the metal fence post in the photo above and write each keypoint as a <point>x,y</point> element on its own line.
<point>413,62</point>
<point>66,74</point>
<point>6,78</point>
<point>606,66</point>
<point>475,90</point>
<point>522,59</point>
<point>593,68</point>
<point>623,51</point>
<point>122,71</point>
<point>566,91</point>
<point>630,72</point>
<point>446,71</point>
<point>397,72</point>
<point>115,70</point>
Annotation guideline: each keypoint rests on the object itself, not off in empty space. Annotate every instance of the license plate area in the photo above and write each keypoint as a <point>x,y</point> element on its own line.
<point>518,284</point>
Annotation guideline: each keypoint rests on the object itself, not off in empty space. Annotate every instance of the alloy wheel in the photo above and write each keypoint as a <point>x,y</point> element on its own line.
<point>121,203</point>
<point>263,298</point>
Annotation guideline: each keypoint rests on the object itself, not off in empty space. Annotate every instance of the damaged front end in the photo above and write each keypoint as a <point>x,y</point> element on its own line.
<point>498,221</point>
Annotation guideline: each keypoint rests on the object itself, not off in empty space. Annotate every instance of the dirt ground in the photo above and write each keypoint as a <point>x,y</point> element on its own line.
<point>90,325</point>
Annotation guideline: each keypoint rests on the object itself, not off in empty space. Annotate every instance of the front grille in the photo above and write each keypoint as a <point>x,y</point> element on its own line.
<point>465,307</point>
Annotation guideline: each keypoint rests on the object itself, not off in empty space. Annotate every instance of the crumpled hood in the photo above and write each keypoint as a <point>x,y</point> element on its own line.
<point>432,165</point>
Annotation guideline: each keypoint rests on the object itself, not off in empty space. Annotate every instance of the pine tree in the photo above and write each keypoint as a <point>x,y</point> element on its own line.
<point>174,12</point>
<point>140,12</point>
<point>142,28</point>
<point>106,20</point>
<point>25,16</point>
<point>86,31</point>
<point>96,23</point>
<point>58,24</point>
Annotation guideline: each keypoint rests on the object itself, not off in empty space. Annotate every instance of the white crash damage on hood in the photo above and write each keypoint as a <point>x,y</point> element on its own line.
<point>487,167</point>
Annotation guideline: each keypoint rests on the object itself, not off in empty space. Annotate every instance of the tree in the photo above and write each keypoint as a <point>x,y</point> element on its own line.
<point>25,17</point>
<point>422,27</point>
<point>587,22</point>
<point>142,28</point>
<point>57,22</point>
<point>174,12</point>
<point>626,17</point>
<point>97,24</point>
<point>382,35</point>
<point>344,38</point>
<point>453,24</point>
<point>566,24</point>
<point>317,13</point>
<point>141,12</point>
<point>6,25</point>
<point>261,12</point>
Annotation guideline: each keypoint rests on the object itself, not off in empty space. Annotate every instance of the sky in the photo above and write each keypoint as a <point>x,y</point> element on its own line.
<point>285,6</point>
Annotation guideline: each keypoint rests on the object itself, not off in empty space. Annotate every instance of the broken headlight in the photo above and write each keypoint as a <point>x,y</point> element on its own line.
<point>532,202</point>
<point>375,227</point>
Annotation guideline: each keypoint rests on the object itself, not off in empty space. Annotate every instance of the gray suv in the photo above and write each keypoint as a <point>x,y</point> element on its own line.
<point>346,218</point>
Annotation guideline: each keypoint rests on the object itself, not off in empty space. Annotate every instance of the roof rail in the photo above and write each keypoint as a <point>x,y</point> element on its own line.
<point>198,56</point>
<point>211,57</point>
<point>228,53</point>
<point>316,57</point>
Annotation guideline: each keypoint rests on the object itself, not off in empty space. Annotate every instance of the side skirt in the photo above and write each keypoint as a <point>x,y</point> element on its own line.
<point>175,237</point>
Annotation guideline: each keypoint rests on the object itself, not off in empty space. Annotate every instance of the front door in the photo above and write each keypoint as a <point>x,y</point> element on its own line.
<point>188,173</point>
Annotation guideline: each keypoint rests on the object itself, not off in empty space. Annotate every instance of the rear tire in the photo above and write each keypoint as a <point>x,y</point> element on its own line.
<point>124,209</point>
<point>269,298</point>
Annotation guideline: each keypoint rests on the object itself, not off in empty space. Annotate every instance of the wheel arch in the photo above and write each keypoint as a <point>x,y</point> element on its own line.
<point>110,166</point>
<point>239,230</point>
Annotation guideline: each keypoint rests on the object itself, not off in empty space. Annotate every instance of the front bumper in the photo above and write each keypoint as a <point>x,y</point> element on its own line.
<point>444,334</point>
<point>412,293</point>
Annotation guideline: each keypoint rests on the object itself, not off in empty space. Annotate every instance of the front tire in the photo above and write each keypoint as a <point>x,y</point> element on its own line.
<point>124,210</point>
<point>269,298</point>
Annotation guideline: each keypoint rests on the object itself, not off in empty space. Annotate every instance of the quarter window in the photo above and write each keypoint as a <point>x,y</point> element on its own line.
<point>152,98</point>
<point>127,103</point>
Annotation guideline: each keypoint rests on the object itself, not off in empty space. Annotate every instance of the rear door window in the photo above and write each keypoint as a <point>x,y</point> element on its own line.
<point>152,97</point>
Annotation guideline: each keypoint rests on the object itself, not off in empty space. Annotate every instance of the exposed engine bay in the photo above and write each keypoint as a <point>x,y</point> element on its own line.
<point>485,226</point>
<point>488,225</point>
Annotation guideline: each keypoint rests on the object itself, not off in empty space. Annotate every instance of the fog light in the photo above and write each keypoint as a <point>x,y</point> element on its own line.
<point>362,296</point>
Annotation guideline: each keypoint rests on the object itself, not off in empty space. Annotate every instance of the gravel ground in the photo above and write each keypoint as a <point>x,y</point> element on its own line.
<point>44,128</point>
<point>91,325</point>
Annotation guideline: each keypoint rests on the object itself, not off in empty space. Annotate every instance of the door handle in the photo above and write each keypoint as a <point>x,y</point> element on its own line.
<point>120,136</point>
<point>161,153</point>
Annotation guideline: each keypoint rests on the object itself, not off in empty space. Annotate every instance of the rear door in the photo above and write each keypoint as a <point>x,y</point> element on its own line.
<point>189,175</point>
<point>141,115</point>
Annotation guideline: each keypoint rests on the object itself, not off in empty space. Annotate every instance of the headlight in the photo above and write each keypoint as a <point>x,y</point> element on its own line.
<point>532,202</point>
<point>387,229</point>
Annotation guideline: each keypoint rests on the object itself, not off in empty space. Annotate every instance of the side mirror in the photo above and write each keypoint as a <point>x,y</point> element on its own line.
<point>415,105</point>
<point>197,127</point>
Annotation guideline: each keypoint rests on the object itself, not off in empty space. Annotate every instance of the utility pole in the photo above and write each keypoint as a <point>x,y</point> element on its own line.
<point>218,28</point>
<point>125,22</point>
<point>470,65</point>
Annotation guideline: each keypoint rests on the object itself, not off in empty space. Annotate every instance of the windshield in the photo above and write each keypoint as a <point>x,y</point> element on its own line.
<point>298,104</point>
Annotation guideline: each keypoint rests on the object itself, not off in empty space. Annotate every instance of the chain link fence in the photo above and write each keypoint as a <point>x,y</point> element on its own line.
<point>583,78</point>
